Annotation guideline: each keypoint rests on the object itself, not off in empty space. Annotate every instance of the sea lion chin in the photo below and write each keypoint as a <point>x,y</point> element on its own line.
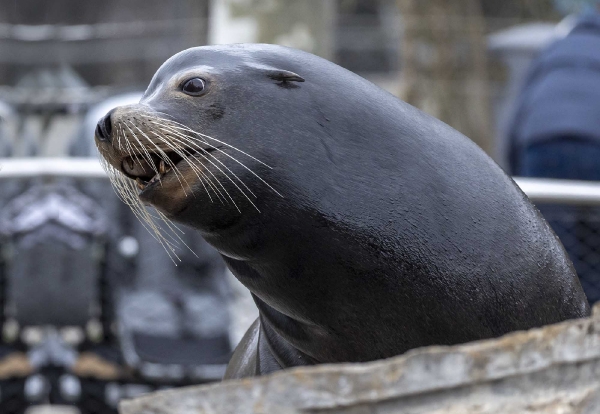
<point>362,226</point>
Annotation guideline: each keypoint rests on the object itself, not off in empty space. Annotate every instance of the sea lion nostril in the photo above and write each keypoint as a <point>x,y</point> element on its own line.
<point>107,124</point>
<point>104,127</point>
<point>99,133</point>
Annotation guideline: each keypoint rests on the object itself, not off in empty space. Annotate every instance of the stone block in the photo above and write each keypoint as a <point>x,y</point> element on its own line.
<point>550,370</point>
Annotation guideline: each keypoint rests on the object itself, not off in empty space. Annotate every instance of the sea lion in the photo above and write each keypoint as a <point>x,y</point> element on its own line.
<point>362,226</point>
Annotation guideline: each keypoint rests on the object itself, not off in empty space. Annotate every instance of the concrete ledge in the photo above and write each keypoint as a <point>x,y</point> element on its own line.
<point>555,369</point>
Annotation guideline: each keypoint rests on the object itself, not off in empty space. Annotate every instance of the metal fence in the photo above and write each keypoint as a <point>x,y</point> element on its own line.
<point>572,208</point>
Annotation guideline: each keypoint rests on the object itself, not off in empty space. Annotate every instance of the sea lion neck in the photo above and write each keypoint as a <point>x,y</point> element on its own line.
<point>297,323</point>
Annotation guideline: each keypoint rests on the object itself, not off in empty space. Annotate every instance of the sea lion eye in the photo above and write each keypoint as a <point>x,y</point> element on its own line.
<point>193,87</point>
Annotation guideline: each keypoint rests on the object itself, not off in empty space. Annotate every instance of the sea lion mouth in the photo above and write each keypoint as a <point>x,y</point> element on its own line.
<point>152,168</point>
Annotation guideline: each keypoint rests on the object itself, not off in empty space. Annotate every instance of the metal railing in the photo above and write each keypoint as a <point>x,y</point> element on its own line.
<point>50,167</point>
<point>539,190</point>
<point>545,190</point>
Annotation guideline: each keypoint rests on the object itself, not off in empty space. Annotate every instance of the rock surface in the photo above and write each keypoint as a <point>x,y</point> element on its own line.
<point>551,370</point>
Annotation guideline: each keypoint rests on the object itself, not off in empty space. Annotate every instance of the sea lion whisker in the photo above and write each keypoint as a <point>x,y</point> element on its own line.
<point>119,134</point>
<point>116,180</point>
<point>121,188</point>
<point>171,227</point>
<point>176,239</point>
<point>126,191</point>
<point>166,158</point>
<point>148,222</point>
<point>124,188</point>
<point>169,161</point>
<point>183,156</point>
<point>185,127</point>
<point>146,154</point>
<point>233,158</point>
<point>132,154</point>
<point>205,153</point>
<point>226,176</point>
<point>148,160</point>
<point>157,233</point>
<point>195,169</point>
<point>130,150</point>
<point>174,229</point>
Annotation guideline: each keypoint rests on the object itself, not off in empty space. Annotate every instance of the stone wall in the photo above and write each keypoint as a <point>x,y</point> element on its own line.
<point>551,370</point>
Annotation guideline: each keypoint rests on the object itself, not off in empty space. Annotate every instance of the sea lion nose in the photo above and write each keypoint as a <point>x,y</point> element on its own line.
<point>104,127</point>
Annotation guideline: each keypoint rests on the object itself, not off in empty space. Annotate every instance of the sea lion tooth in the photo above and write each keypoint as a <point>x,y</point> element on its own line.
<point>161,167</point>
<point>140,183</point>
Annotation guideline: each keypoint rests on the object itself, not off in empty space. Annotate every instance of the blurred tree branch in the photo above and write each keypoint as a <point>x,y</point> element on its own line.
<point>444,64</point>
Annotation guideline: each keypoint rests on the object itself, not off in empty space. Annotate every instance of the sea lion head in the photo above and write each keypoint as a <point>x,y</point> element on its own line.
<point>241,141</point>
<point>213,128</point>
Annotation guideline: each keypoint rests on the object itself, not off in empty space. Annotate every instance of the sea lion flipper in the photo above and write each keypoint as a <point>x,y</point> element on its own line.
<point>243,362</point>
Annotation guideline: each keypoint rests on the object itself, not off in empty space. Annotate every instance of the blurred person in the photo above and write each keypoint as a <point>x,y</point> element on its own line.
<point>556,132</point>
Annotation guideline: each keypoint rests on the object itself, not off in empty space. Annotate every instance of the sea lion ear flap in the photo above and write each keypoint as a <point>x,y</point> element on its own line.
<point>284,76</point>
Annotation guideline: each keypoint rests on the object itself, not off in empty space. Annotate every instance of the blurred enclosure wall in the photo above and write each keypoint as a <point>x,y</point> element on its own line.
<point>432,53</point>
<point>107,42</point>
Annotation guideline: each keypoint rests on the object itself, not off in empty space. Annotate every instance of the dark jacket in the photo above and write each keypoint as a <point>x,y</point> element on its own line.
<point>561,96</point>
